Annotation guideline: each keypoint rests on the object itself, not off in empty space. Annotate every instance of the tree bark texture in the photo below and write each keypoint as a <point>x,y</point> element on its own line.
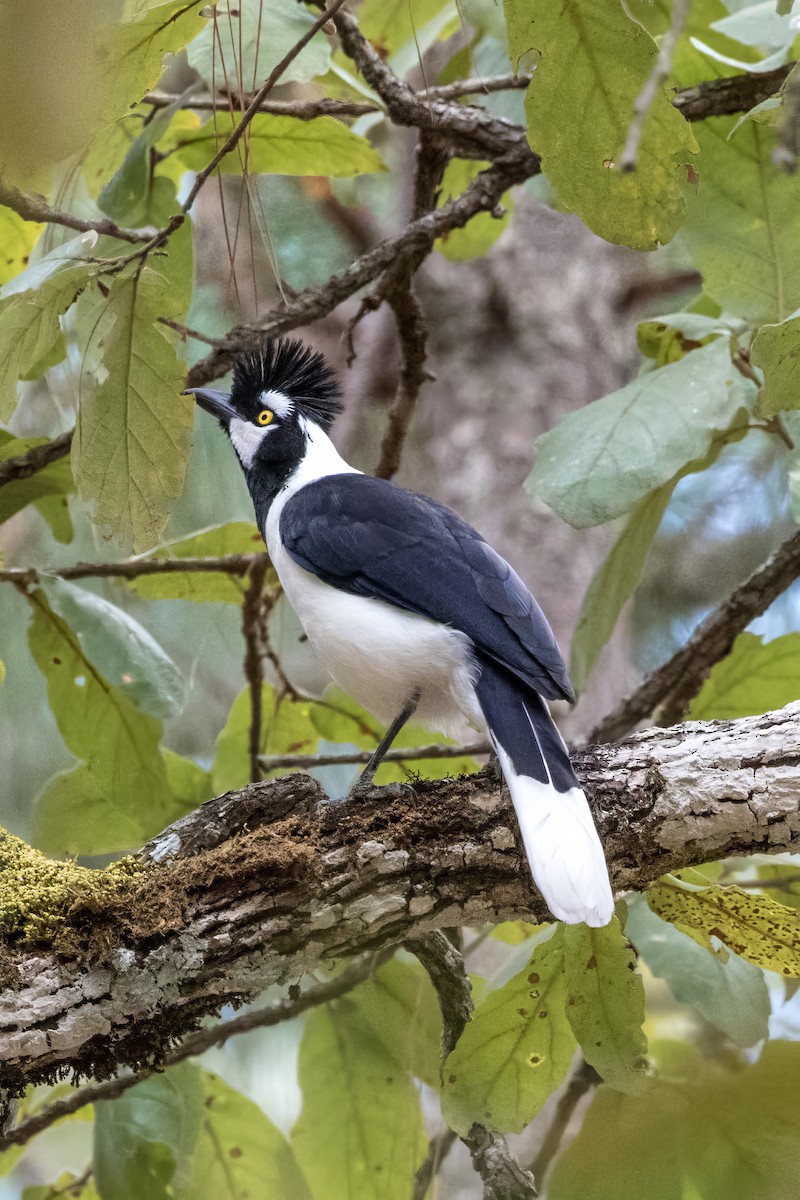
<point>259,886</point>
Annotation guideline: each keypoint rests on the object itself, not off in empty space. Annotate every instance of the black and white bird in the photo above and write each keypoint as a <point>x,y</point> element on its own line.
<point>410,610</point>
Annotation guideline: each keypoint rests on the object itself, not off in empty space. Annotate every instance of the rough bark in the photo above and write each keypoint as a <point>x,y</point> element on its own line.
<point>259,886</point>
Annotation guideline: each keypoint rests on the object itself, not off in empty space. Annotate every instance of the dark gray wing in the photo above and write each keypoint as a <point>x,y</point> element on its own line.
<point>370,538</point>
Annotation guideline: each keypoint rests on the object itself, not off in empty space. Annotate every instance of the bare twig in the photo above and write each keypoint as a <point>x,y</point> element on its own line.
<point>32,207</point>
<point>476,86</point>
<point>785,153</point>
<point>503,1177</point>
<point>236,134</point>
<point>304,762</point>
<point>25,465</point>
<point>584,1078</point>
<point>302,110</point>
<point>653,84</point>
<point>673,685</point>
<point>253,634</point>
<point>131,568</point>
<point>194,1044</point>
<point>438,1149</point>
<point>723,97</point>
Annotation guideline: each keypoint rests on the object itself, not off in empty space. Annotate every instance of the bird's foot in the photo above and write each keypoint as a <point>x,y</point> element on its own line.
<point>387,791</point>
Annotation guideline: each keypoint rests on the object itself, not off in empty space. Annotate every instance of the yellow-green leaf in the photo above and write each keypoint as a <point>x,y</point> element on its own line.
<point>515,1051</point>
<point>17,239</point>
<point>605,1004</point>
<point>237,537</point>
<point>478,236</point>
<point>286,728</point>
<point>132,434</point>
<point>593,64</point>
<point>756,927</point>
<point>756,677</point>
<point>360,1135</point>
<point>276,145</point>
<point>776,350</point>
<point>131,53</point>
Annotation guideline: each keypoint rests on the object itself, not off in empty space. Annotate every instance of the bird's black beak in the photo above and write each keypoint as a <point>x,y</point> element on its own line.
<point>216,403</point>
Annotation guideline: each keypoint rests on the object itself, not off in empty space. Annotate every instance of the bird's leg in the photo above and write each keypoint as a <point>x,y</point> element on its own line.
<point>364,781</point>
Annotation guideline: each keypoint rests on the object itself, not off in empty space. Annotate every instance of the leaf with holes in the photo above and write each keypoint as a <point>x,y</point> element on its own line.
<point>759,929</point>
<point>605,1004</point>
<point>515,1051</point>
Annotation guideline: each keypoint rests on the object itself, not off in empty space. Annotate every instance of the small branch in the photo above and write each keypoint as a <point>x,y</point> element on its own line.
<point>35,460</point>
<point>131,568</point>
<point>503,1177</point>
<point>653,84</point>
<point>785,153</point>
<point>32,207</point>
<point>236,134</point>
<point>303,110</point>
<point>724,97</point>
<point>584,1078</point>
<point>677,682</point>
<point>304,762</point>
<point>476,86</point>
<point>438,1149</point>
<point>253,633</point>
<point>194,1044</point>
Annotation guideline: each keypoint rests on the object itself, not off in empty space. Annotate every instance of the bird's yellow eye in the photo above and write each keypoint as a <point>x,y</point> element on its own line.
<point>265,416</point>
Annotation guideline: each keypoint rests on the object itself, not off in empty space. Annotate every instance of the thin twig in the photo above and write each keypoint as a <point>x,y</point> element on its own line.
<point>673,685</point>
<point>734,94</point>
<point>25,465</point>
<point>503,1177</point>
<point>194,1044</point>
<point>438,1149</point>
<point>131,568</point>
<point>582,1081</point>
<point>476,86</point>
<point>653,84</point>
<point>32,207</point>
<point>235,135</point>
<point>252,631</point>
<point>303,762</point>
<point>302,110</point>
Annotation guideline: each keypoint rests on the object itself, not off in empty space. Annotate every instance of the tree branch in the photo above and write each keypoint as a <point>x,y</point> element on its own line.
<point>582,1081</point>
<point>253,634</point>
<point>675,684</point>
<point>724,97</point>
<point>261,885</point>
<point>25,465</point>
<point>133,568</point>
<point>302,110</point>
<point>35,208</point>
<point>274,762</point>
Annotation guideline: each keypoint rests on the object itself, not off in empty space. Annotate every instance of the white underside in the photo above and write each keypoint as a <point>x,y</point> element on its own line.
<point>381,655</point>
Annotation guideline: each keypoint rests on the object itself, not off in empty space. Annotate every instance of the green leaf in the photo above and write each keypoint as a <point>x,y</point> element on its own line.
<point>399,1006</point>
<point>118,796</point>
<point>281,146</point>
<point>759,929</point>
<point>286,728</point>
<point>47,489</point>
<point>132,435</point>
<point>776,350</point>
<point>73,1186</point>
<point>239,1153</point>
<point>674,335</point>
<point>360,1135</point>
<point>30,305</point>
<point>124,653</point>
<point>145,1138</point>
<point>237,537</point>
<point>17,239</point>
<point>605,1004</point>
<point>389,24</point>
<point>592,52</point>
<point>515,1051</point>
<point>479,235</point>
<point>743,223</point>
<point>614,582</point>
<point>252,39</point>
<point>627,1148</point>
<point>604,458</point>
<point>132,52</point>
<point>729,993</point>
<point>755,677</point>
<point>189,785</point>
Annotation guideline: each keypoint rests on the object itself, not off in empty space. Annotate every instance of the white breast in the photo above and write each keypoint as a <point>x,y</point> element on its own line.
<point>377,653</point>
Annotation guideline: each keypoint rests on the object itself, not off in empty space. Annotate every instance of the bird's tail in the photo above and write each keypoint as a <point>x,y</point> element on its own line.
<point>560,839</point>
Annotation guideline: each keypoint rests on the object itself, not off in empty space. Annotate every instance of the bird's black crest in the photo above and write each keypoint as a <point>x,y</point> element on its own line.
<point>287,365</point>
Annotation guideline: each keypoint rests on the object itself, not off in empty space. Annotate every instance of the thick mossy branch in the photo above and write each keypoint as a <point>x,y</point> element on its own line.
<point>104,969</point>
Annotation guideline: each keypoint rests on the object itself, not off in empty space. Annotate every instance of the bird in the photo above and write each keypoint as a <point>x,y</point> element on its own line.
<point>410,610</point>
